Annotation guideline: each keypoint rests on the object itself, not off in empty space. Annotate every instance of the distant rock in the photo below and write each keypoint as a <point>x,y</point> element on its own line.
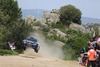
<point>42,20</point>
<point>50,17</point>
<point>38,13</point>
<point>80,27</point>
<point>58,33</point>
<point>30,19</point>
<point>36,27</point>
<point>54,17</point>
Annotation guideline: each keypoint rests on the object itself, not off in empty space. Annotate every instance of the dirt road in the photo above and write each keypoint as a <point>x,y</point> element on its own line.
<point>28,61</point>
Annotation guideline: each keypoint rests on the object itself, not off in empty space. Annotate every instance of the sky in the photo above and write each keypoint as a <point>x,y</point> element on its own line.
<point>89,8</point>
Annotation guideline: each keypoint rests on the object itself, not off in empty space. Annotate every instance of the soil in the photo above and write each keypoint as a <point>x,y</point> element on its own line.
<point>35,60</point>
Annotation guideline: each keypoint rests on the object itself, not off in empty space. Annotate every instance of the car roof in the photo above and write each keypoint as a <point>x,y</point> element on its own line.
<point>31,39</point>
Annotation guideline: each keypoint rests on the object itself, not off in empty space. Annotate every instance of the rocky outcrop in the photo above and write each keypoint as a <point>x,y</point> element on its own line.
<point>54,17</point>
<point>50,17</point>
<point>76,26</point>
<point>42,20</point>
<point>58,33</point>
<point>36,27</point>
<point>30,19</point>
<point>80,27</point>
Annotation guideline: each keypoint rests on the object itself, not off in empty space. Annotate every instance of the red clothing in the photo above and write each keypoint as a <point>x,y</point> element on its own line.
<point>96,39</point>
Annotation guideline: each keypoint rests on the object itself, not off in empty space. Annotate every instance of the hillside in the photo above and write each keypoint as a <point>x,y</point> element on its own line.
<point>39,12</point>
<point>90,20</point>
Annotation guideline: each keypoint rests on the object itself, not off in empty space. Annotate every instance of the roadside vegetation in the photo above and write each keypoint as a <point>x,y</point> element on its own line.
<point>76,41</point>
<point>12,26</point>
<point>8,52</point>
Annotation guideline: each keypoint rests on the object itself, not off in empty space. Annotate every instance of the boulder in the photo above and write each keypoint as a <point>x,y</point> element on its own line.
<point>78,27</point>
<point>50,17</point>
<point>36,27</point>
<point>54,17</point>
<point>58,33</point>
<point>42,20</point>
<point>30,19</point>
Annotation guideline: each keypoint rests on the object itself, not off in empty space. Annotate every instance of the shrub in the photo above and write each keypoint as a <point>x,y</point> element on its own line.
<point>76,41</point>
<point>45,29</point>
<point>37,24</point>
<point>8,52</point>
<point>53,37</point>
<point>59,26</point>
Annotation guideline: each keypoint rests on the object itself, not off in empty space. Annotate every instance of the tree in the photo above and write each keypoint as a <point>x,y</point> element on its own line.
<point>10,8</point>
<point>4,36</point>
<point>3,19</point>
<point>20,30</point>
<point>12,26</point>
<point>70,14</point>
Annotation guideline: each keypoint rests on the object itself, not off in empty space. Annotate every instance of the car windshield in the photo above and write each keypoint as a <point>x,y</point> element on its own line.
<point>31,39</point>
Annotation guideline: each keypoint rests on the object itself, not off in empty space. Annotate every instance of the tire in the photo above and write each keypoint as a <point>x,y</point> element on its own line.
<point>37,49</point>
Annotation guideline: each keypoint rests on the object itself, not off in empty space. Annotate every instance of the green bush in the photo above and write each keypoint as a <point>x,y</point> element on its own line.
<point>4,46</point>
<point>76,41</point>
<point>53,37</point>
<point>8,52</point>
<point>45,29</point>
<point>59,26</point>
<point>37,24</point>
<point>69,14</point>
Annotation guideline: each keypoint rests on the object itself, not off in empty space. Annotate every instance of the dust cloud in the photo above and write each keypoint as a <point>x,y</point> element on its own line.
<point>48,49</point>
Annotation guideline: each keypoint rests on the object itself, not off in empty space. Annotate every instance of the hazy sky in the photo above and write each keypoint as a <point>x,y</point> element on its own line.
<point>89,8</point>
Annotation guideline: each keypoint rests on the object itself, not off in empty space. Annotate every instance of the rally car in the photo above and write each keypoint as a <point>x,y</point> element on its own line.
<point>31,41</point>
